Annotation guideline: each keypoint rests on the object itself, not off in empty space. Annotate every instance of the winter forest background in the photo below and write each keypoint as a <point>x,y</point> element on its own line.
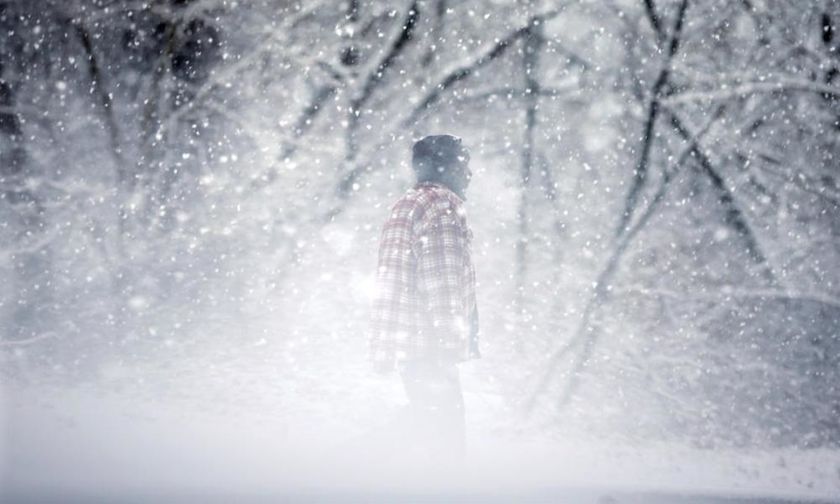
<point>191,194</point>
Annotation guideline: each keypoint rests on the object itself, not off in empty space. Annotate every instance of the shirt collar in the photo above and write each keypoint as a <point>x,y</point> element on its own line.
<point>432,183</point>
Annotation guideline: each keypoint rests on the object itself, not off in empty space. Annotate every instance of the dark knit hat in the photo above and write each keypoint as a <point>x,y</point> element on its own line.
<point>437,153</point>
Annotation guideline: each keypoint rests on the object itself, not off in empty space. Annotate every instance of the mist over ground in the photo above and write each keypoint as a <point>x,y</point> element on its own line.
<point>191,199</point>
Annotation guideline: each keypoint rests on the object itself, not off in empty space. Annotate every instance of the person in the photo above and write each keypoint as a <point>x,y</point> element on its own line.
<point>425,318</point>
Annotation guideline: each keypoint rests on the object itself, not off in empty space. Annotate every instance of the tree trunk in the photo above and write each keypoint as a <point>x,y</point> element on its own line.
<point>530,67</point>
<point>32,282</point>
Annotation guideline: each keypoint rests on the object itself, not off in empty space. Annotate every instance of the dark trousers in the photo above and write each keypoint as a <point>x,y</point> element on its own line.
<point>436,408</point>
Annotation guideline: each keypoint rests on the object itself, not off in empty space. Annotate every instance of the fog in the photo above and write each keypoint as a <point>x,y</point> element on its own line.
<point>192,195</point>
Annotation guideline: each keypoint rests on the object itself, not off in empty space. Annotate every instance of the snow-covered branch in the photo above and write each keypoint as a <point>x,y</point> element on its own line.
<point>586,334</point>
<point>727,92</point>
<point>28,341</point>
<point>731,294</point>
<point>736,217</point>
<point>474,64</point>
<point>660,83</point>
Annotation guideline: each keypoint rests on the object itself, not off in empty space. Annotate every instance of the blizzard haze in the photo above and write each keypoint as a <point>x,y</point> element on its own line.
<point>191,199</point>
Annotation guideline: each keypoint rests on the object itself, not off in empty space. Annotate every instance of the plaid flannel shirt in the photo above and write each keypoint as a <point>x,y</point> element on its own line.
<point>425,306</point>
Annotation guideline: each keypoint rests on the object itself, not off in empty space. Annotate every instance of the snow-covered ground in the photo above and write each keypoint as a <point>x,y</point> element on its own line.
<point>224,425</point>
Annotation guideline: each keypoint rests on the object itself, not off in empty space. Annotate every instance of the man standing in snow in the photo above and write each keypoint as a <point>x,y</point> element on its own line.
<point>425,319</point>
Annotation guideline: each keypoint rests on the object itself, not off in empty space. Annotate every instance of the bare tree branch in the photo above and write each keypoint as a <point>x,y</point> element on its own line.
<point>803,182</point>
<point>727,294</point>
<point>450,78</point>
<point>267,42</point>
<point>735,216</point>
<point>374,78</point>
<point>532,45</point>
<point>586,333</point>
<point>437,32</point>
<point>750,88</point>
<point>27,341</point>
<point>105,103</point>
<point>463,71</point>
<point>399,43</point>
<point>510,93</point>
<point>655,22</point>
<point>640,172</point>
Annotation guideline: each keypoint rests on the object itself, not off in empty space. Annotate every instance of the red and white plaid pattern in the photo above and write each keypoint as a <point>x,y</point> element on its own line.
<point>425,281</point>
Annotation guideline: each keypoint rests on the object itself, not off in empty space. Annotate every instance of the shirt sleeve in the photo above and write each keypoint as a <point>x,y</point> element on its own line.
<point>391,309</point>
<point>441,279</point>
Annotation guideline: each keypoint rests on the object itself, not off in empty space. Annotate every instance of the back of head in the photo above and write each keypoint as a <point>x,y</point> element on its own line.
<point>435,157</point>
